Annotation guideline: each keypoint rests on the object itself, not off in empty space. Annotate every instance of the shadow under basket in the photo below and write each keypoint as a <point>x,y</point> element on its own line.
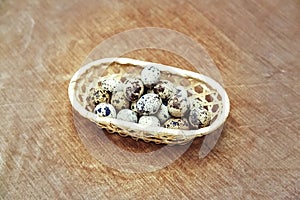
<point>212,94</point>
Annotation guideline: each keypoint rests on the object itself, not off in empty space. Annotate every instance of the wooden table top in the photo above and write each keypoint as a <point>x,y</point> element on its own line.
<point>256,48</point>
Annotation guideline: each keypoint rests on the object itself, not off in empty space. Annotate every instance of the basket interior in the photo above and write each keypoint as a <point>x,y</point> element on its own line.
<point>212,100</point>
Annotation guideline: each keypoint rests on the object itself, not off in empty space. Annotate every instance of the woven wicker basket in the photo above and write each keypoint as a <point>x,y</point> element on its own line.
<point>212,94</point>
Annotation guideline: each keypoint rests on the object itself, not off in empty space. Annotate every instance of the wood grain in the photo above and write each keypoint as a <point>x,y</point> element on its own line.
<point>256,47</point>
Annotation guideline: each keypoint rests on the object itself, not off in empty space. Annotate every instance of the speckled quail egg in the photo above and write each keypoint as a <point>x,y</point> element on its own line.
<point>178,106</point>
<point>127,115</point>
<point>105,110</point>
<point>133,89</point>
<point>120,87</point>
<point>177,123</point>
<point>181,91</point>
<point>150,75</point>
<point>119,101</point>
<point>195,102</point>
<point>163,113</point>
<point>149,121</point>
<point>111,84</point>
<point>98,95</point>
<point>165,89</point>
<point>199,117</point>
<point>148,104</point>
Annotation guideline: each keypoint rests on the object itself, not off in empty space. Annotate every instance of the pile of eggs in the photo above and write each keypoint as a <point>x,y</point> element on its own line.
<point>149,101</point>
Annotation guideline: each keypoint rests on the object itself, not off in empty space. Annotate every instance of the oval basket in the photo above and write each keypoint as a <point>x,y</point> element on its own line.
<point>212,94</point>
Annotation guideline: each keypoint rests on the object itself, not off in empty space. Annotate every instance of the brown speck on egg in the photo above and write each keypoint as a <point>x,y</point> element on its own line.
<point>97,95</point>
<point>133,89</point>
<point>178,106</point>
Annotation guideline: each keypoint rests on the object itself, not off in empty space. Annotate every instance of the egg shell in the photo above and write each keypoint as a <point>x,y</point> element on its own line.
<point>148,104</point>
<point>181,91</point>
<point>177,123</point>
<point>133,89</point>
<point>105,110</point>
<point>110,84</point>
<point>119,101</point>
<point>199,118</point>
<point>151,121</point>
<point>150,75</point>
<point>98,95</point>
<point>120,87</point>
<point>127,115</point>
<point>196,102</point>
<point>165,89</point>
<point>178,106</point>
<point>163,113</point>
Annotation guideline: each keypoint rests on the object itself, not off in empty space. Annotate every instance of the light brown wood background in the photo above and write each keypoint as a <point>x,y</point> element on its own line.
<point>256,47</point>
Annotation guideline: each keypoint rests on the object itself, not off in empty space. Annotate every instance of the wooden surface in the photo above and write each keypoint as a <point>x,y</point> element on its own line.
<point>256,47</point>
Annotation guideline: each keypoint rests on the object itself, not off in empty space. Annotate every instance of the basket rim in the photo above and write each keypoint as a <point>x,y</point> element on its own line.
<point>154,130</point>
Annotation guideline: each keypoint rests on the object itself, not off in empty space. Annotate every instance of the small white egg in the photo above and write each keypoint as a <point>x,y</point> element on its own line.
<point>195,102</point>
<point>120,87</point>
<point>165,89</point>
<point>148,104</point>
<point>105,110</point>
<point>111,84</point>
<point>150,75</point>
<point>127,115</point>
<point>163,113</point>
<point>199,118</point>
<point>181,91</point>
<point>98,95</point>
<point>133,89</point>
<point>177,123</point>
<point>178,106</point>
<point>119,101</point>
<point>149,121</point>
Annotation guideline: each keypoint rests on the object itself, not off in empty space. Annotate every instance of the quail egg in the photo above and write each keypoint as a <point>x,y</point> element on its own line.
<point>149,121</point>
<point>165,89</point>
<point>163,113</point>
<point>148,104</point>
<point>177,123</point>
<point>111,84</point>
<point>98,95</point>
<point>150,75</point>
<point>199,117</point>
<point>119,101</point>
<point>120,87</point>
<point>195,102</point>
<point>178,106</point>
<point>105,110</point>
<point>133,89</point>
<point>127,115</point>
<point>181,91</point>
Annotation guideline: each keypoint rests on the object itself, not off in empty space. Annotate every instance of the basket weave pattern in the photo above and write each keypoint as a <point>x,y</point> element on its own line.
<point>90,78</point>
